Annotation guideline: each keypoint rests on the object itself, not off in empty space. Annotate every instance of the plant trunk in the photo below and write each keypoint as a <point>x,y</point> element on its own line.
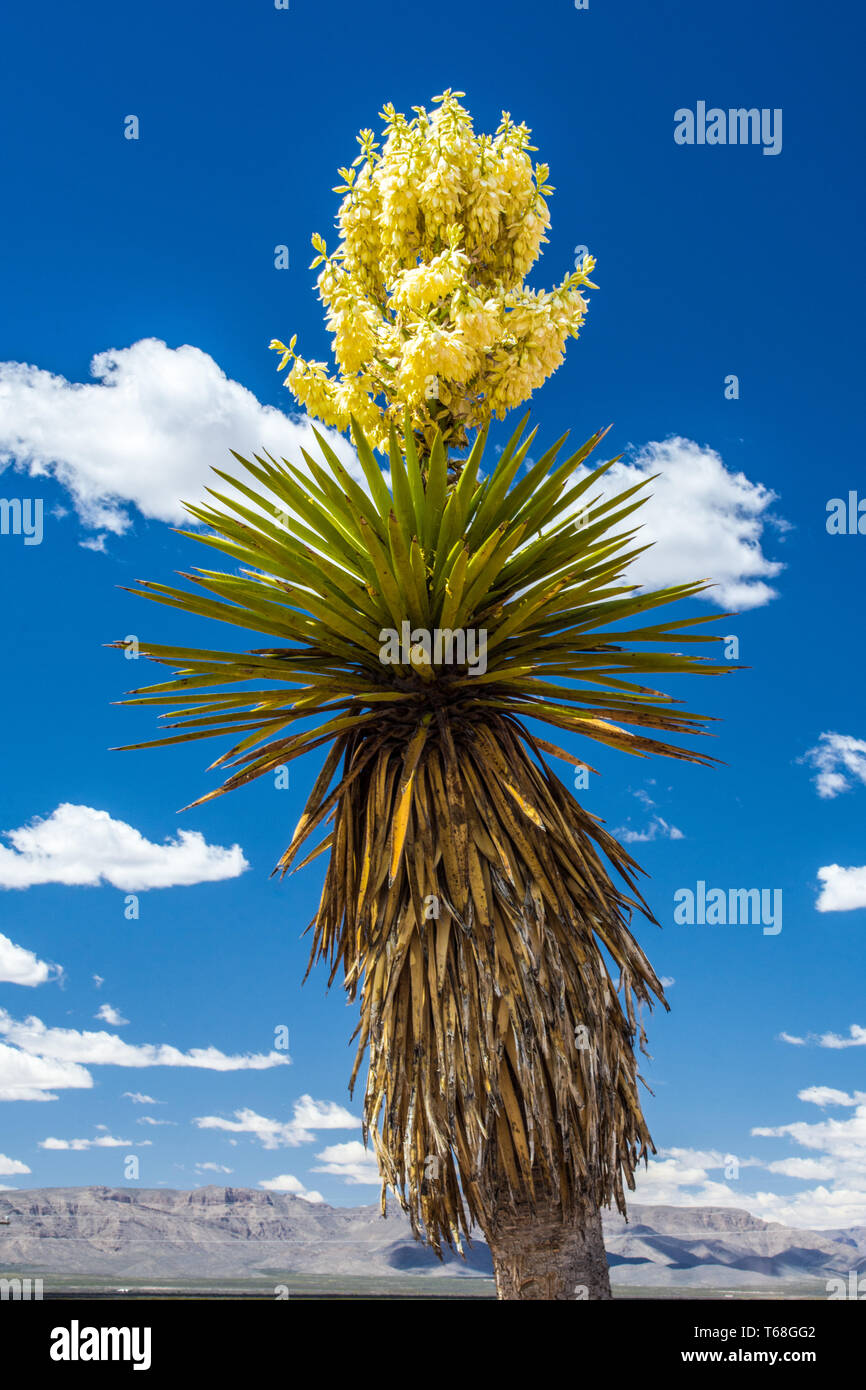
<point>538,1255</point>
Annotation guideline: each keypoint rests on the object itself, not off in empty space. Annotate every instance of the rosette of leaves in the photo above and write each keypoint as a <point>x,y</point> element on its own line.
<point>478,909</point>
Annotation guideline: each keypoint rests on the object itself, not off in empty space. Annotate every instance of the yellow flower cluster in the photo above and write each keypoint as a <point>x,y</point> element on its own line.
<point>425,294</point>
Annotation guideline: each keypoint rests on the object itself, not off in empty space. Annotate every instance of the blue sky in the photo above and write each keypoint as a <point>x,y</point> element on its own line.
<point>712,261</point>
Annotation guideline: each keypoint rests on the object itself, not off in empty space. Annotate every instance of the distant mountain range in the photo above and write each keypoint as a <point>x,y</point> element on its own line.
<point>230,1232</point>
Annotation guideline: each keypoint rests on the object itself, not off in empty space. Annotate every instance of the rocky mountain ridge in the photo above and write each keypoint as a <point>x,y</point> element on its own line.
<point>228,1232</point>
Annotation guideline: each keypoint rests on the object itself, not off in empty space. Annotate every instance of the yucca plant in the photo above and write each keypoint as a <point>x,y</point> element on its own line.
<point>428,629</point>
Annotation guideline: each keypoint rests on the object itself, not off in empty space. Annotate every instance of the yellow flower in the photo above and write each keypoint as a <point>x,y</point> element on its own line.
<point>438,228</point>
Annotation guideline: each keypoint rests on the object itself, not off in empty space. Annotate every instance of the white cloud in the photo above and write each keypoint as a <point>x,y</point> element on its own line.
<point>818,1208</point>
<point>149,1120</point>
<point>705,521</point>
<point>147,432</point>
<point>148,429</point>
<point>684,1178</point>
<point>664,1180</point>
<point>18,966</point>
<point>827,1095</point>
<point>24,1077</point>
<point>812,1169</point>
<point>856,1038</point>
<point>285,1182</point>
<point>836,1152</point>
<point>834,1158</point>
<point>213,1168</point>
<point>321,1114</point>
<point>78,845</point>
<point>105,1141</point>
<point>840,759</point>
<point>308,1115</point>
<point>351,1162</point>
<point>843,889</point>
<point>667,981</point>
<point>845,1139</point>
<point>99,981</point>
<point>8,1166</point>
<point>657,828</point>
<point>66,1045</point>
<point>706,1159</point>
<point>109,1014</point>
<point>138,1098</point>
